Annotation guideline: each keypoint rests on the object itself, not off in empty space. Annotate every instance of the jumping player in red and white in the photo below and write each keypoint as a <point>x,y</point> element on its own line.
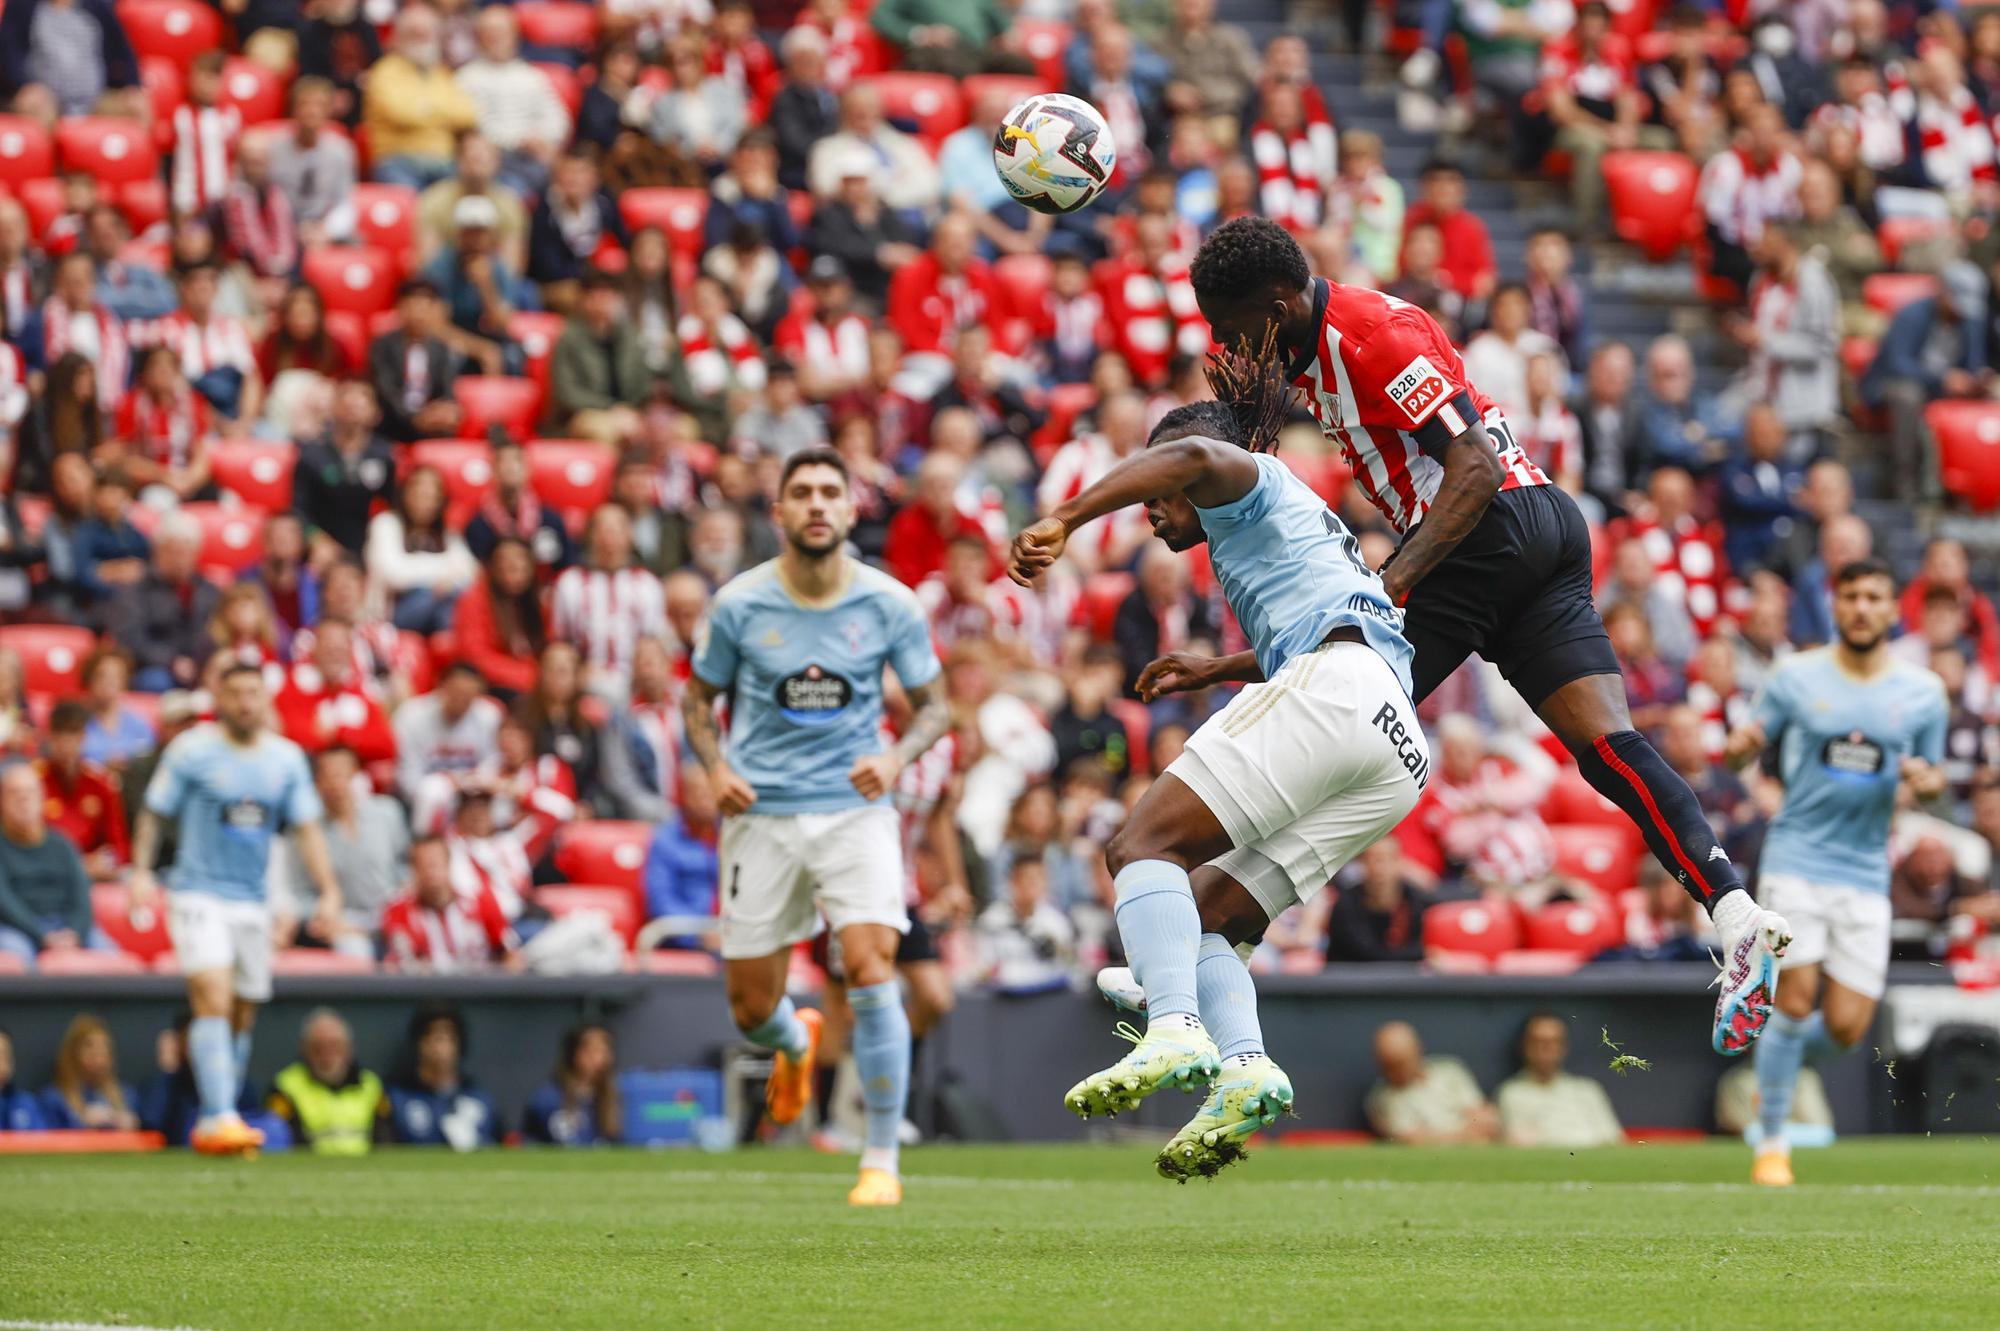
<point>1494,560</point>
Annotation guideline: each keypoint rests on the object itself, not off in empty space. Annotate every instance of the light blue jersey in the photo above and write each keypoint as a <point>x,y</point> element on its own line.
<point>805,681</point>
<point>228,802</point>
<point>1292,573</point>
<point>1841,745</point>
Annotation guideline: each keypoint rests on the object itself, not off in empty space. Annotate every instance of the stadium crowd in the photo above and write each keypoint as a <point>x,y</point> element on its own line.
<point>440,360</point>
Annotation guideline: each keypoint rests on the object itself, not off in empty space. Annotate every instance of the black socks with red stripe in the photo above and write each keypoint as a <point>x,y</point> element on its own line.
<point>1626,769</point>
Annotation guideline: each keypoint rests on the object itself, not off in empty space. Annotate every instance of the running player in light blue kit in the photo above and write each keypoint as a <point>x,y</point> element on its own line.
<point>799,644</point>
<point>1275,792</point>
<point>230,787</point>
<point>1851,724</point>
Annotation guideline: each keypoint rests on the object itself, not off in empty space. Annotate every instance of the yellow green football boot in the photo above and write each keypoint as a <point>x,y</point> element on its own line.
<point>1241,1100</point>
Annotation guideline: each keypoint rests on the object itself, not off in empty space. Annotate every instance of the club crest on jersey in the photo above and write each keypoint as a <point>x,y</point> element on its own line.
<point>1418,389</point>
<point>813,697</point>
<point>855,634</point>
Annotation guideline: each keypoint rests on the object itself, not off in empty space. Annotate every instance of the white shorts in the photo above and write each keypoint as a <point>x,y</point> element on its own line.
<point>1842,930</point>
<point>781,871</point>
<point>211,934</point>
<point>1308,770</point>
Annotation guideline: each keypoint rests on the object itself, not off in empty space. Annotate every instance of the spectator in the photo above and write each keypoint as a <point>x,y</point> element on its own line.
<point>971,186</point>
<point>1546,430</point>
<point>1149,302</point>
<point>1635,582</point>
<point>1542,1105</point>
<point>113,732</point>
<point>513,103</point>
<point>20,1110</point>
<point>701,115</point>
<point>334,1106</point>
<point>438,1103</point>
<point>498,625</point>
<point>651,303</point>
<point>1935,347</point>
<point>1947,569</point>
<point>85,1093</point>
<point>605,604</point>
<point>109,553</point>
<point>73,319</point>
<point>1745,189</point>
<point>1497,359</point>
<point>257,221</point>
<point>781,423</point>
<point>1368,202</point>
<point>554,712</point>
<point>1587,83</point>
<point>1842,540</point>
<point>1378,914</point>
<point>415,559</point>
<point>475,174</point>
<point>1161,616</point>
<point>441,737</point>
<point>299,340</point>
<point>1926,884</point>
<point>163,427</point>
<point>827,347</point>
<point>131,291</point>
<point>313,167</point>
<point>600,116</point>
<point>955,37</point>
<point>324,701</point>
<point>681,862</point>
<point>341,477</point>
<point>434,929</point>
<point>80,799</point>
<point>414,105</point>
<point>866,144</point>
<point>161,618</point>
<point>857,228</point>
<point>338,43</point>
<point>1084,729</point>
<point>1834,233</point>
<point>62,57</point>
<point>575,220</point>
<point>579,1104</point>
<point>598,375</point>
<point>1672,429</point>
<point>1467,266</point>
<point>1026,945</point>
<point>805,110</point>
<point>479,288</point>
<point>1827,493</point>
<point>1555,302</point>
<point>44,891</point>
<point>512,511</point>
<point>1793,338</point>
<point>1423,282</point>
<point>1423,1101</point>
<point>412,367</point>
<point>368,842</point>
<point>1651,685</point>
<point>922,528</point>
<point>1214,66</point>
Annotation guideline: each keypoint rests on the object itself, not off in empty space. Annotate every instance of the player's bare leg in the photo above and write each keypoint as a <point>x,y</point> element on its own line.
<point>212,1057</point>
<point>1590,717</point>
<point>1817,1017</point>
<point>764,1014</point>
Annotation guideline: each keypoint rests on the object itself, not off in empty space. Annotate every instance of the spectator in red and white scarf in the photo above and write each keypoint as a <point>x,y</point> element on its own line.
<point>1555,303</point>
<point>1149,303</point>
<point>719,350</point>
<point>72,319</point>
<point>1686,552</point>
<point>737,54</point>
<point>205,136</point>
<point>163,424</point>
<point>533,795</point>
<point>1296,157</point>
<point>606,604</point>
<point>512,511</point>
<point>1752,184</point>
<point>215,350</point>
<point>257,222</point>
<point>434,928</point>
<point>376,647</point>
<point>850,46</point>
<point>1954,140</point>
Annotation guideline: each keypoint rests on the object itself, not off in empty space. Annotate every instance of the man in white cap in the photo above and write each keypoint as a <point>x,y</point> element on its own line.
<point>479,289</point>
<point>903,172</point>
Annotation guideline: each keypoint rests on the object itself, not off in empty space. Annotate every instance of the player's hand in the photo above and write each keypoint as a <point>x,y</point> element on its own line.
<point>875,775</point>
<point>284,931</point>
<point>1925,781</point>
<point>1744,743</point>
<point>142,897</point>
<point>733,794</point>
<point>1176,672</point>
<point>61,940</point>
<point>327,923</point>
<point>1038,546</point>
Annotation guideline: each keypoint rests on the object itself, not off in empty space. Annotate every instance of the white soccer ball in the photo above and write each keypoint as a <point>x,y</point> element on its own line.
<point>1054,153</point>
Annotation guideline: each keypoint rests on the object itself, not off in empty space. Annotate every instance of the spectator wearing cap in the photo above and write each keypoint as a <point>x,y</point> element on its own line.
<point>1466,264</point>
<point>60,57</point>
<point>1936,347</point>
<point>479,288</point>
<point>576,218</point>
<point>414,105</point>
<point>805,110</point>
<point>868,144</point>
<point>701,115</point>
<point>475,171</point>
<point>341,476</point>
<point>80,799</point>
<point>313,166</point>
<point>44,890</point>
<point>597,373</point>
<point>516,105</point>
<point>859,230</point>
<point>161,618</point>
<point>828,344</point>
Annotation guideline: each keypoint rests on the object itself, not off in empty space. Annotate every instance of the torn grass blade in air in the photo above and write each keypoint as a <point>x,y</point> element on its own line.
<point>1626,1063</point>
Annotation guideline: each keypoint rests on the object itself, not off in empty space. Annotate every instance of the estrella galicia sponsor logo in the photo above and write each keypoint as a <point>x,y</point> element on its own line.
<point>245,815</point>
<point>1853,755</point>
<point>814,696</point>
<point>1408,739</point>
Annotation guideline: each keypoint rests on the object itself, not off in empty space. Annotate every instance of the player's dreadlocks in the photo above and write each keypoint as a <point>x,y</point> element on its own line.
<point>1243,257</point>
<point>1257,391</point>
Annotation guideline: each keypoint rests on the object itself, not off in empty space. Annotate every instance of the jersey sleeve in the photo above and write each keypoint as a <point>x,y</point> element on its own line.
<point>910,649</point>
<point>302,804</point>
<point>1772,708</point>
<point>167,791</point>
<point>1420,379</point>
<point>715,655</point>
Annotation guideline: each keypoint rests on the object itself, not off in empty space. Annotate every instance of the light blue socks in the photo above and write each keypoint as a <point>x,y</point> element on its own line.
<point>212,1054</point>
<point>1161,929</point>
<point>1228,999</point>
<point>782,1031</point>
<point>882,1057</point>
<point>1787,1044</point>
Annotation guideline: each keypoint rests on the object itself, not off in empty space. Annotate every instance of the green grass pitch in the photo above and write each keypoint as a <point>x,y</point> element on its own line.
<point>1880,1233</point>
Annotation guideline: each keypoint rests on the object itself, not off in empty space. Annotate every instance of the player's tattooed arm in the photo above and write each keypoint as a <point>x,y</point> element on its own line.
<point>930,718</point>
<point>1472,476</point>
<point>704,739</point>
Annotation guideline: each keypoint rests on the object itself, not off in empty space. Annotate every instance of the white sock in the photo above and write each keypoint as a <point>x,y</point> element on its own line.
<point>1733,916</point>
<point>880,1157</point>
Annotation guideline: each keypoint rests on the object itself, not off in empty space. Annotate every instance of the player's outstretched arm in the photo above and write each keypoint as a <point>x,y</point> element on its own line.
<point>1185,672</point>
<point>1472,476</point>
<point>1209,471</point>
<point>732,793</point>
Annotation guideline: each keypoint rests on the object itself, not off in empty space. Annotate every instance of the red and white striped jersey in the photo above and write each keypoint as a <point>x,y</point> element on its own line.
<point>605,613</point>
<point>1738,197</point>
<point>1295,168</point>
<point>1687,556</point>
<point>204,144</point>
<point>719,355</point>
<point>496,864</point>
<point>533,800</point>
<point>223,343</point>
<point>470,933</point>
<point>1389,389</point>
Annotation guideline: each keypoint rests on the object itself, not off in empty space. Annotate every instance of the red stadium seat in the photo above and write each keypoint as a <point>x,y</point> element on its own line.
<point>1471,928</point>
<point>568,88</point>
<point>467,465</point>
<point>1025,278</point>
<point>51,655</point>
<point>1574,926</point>
<point>166,89</point>
<point>110,908</point>
<point>1968,444</point>
<point>1013,89</point>
<point>1896,232</point>
<point>603,851</point>
<point>1097,606</point>
<point>353,277</point>
<point>385,218</point>
<point>931,102</point>
<point>350,333</point>
<point>113,150</point>
<point>1571,799</point>
<point>144,203</point>
<point>260,474</point>
<point>83,961</point>
<point>179,30</point>
<point>1889,292</point>
<point>1044,41</point>
<point>1138,730</point>
<point>559,23</point>
<point>232,539</point>
<point>1857,354</point>
<point>26,150</point>
<point>1066,402</point>
<point>494,399</point>
<point>257,93</point>
<point>1652,199</point>
<point>573,476</point>
<point>619,904</point>
<point>43,200</point>
<point>319,961</point>
<point>678,212</point>
<point>1607,858</point>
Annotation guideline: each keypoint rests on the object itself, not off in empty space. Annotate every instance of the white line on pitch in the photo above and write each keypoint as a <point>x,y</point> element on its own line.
<point>6,1325</point>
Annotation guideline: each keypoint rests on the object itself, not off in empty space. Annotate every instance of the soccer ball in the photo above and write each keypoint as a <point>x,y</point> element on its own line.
<point>1054,153</point>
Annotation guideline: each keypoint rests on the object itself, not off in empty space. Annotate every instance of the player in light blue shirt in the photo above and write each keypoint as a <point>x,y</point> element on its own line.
<point>799,645</point>
<point>231,788</point>
<point>1272,794</point>
<point>1851,725</point>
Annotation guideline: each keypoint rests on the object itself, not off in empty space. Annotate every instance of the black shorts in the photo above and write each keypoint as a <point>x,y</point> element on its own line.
<point>1517,591</point>
<point>916,945</point>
